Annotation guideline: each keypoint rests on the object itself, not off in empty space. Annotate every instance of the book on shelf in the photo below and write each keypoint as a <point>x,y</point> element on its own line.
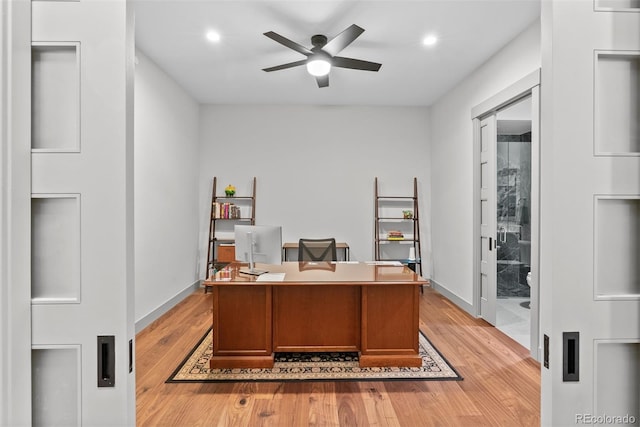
<point>395,235</point>
<point>226,210</point>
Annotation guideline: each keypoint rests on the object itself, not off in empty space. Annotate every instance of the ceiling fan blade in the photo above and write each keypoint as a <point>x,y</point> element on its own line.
<point>288,43</point>
<point>285,66</point>
<point>356,64</point>
<point>323,81</point>
<point>342,40</point>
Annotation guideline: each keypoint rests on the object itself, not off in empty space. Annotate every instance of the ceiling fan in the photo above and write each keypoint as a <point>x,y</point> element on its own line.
<point>322,56</point>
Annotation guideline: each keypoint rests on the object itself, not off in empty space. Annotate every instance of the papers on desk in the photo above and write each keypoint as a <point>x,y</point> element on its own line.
<point>391,263</point>
<point>271,277</point>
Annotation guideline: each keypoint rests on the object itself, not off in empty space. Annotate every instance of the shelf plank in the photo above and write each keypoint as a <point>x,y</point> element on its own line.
<point>234,197</point>
<point>396,197</point>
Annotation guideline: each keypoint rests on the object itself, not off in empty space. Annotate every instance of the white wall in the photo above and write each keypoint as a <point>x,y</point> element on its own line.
<point>315,167</point>
<point>452,159</point>
<point>166,190</point>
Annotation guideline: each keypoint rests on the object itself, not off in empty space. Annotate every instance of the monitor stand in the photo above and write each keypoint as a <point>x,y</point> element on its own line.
<point>252,270</point>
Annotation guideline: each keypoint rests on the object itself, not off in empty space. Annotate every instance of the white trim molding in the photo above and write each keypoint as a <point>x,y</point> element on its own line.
<point>507,95</point>
<point>15,219</point>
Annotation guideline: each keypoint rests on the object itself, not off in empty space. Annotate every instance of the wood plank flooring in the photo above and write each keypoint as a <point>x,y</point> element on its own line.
<point>501,385</point>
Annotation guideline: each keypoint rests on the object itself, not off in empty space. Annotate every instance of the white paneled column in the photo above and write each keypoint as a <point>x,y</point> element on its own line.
<point>15,298</point>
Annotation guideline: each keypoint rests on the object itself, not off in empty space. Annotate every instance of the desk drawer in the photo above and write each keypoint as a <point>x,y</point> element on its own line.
<point>316,318</point>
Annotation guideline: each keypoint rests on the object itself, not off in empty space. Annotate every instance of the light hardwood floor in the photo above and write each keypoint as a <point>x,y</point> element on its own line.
<point>501,385</point>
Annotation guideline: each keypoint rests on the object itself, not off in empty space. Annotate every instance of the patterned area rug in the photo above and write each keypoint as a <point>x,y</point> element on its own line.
<point>312,367</point>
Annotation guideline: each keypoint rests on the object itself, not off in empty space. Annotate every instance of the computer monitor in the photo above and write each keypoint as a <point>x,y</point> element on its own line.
<point>258,243</point>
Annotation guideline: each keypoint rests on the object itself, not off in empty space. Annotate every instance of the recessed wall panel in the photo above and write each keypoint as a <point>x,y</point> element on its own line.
<point>617,387</point>
<point>617,245</point>
<point>484,175</point>
<point>56,386</point>
<point>484,139</point>
<point>618,5</point>
<point>55,123</point>
<point>55,248</point>
<point>484,249</point>
<point>484,212</point>
<point>484,287</point>
<point>617,103</point>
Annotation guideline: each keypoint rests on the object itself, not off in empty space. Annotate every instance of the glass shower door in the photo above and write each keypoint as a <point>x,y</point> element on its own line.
<point>513,214</point>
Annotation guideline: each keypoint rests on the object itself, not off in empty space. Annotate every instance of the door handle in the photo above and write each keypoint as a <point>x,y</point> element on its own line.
<point>493,243</point>
<point>571,356</point>
<point>106,361</point>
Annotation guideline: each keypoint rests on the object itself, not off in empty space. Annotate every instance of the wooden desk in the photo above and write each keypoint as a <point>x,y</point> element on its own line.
<point>318,307</point>
<point>339,246</point>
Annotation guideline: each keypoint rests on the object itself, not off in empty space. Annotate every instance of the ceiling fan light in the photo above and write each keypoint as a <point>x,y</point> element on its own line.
<point>318,67</point>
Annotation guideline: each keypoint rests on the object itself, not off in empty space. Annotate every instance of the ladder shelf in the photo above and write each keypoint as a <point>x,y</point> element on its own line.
<point>221,221</point>
<point>397,223</point>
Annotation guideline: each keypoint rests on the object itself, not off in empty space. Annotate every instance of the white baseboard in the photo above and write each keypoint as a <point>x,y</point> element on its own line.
<point>158,312</point>
<point>454,298</point>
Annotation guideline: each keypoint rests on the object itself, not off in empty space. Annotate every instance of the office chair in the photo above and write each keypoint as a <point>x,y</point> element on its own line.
<point>317,250</point>
<point>317,265</point>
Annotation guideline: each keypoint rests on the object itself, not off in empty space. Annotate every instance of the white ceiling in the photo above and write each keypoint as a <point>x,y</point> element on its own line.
<point>172,34</point>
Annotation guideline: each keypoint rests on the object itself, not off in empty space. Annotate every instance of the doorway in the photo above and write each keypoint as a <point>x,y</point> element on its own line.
<point>506,220</point>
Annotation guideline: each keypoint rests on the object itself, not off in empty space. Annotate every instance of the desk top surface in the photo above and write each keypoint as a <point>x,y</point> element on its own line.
<point>332,273</point>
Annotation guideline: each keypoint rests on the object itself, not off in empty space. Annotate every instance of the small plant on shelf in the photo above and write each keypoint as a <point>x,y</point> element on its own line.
<point>407,214</point>
<point>230,190</point>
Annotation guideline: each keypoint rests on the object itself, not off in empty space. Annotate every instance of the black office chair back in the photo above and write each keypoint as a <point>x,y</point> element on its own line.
<point>317,250</point>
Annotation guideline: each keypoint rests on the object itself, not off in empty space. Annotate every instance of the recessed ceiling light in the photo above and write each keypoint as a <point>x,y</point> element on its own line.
<point>430,40</point>
<point>213,36</point>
